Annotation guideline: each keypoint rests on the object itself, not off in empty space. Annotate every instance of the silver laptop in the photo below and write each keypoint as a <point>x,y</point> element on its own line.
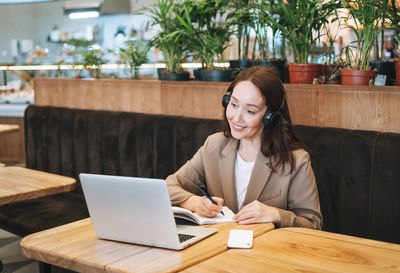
<point>136,210</point>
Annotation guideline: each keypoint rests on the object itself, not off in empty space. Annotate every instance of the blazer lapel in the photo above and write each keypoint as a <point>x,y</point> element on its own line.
<point>258,179</point>
<point>227,174</point>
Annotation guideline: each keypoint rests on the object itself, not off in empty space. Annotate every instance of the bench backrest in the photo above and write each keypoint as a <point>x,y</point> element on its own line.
<point>358,172</point>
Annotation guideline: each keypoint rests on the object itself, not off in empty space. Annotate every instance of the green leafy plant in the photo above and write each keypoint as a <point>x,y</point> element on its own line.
<point>87,57</point>
<point>301,22</point>
<point>365,18</point>
<point>261,23</point>
<point>92,61</point>
<point>134,55</point>
<point>78,43</point>
<point>393,16</point>
<point>240,19</point>
<point>331,35</point>
<point>78,46</point>
<point>169,40</point>
<point>207,35</point>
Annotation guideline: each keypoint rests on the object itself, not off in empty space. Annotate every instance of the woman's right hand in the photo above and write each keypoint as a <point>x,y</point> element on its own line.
<point>203,206</point>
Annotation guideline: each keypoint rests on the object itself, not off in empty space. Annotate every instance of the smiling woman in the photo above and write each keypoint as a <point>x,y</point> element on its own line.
<point>244,113</point>
<point>257,166</point>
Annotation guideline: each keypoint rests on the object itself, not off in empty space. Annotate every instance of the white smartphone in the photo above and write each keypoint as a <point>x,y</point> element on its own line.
<point>240,238</point>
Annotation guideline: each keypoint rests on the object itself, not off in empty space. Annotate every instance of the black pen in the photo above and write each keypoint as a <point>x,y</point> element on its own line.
<point>206,194</point>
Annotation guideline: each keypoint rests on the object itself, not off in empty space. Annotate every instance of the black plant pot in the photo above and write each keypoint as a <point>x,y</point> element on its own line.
<point>385,68</point>
<point>167,76</point>
<point>278,64</point>
<point>218,75</point>
<point>241,64</point>
<point>199,74</point>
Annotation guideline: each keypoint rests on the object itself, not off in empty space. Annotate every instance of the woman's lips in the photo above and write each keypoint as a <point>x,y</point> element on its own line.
<point>238,127</point>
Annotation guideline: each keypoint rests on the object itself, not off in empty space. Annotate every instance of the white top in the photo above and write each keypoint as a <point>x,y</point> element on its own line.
<point>243,171</point>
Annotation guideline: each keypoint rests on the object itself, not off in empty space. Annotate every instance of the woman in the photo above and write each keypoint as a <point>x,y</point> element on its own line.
<point>256,166</point>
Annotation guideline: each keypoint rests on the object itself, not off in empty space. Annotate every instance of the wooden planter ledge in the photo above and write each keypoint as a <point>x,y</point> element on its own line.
<point>350,107</point>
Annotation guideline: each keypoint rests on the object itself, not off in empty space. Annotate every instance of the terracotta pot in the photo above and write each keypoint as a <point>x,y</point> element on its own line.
<point>397,65</point>
<point>357,77</point>
<point>304,73</point>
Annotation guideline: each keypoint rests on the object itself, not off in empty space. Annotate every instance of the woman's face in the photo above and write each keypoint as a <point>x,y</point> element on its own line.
<point>245,111</point>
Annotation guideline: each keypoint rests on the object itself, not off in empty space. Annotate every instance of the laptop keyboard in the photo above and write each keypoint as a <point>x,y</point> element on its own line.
<point>184,237</point>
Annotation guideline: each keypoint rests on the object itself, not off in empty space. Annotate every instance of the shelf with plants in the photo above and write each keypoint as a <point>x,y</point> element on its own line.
<point>301,23</point>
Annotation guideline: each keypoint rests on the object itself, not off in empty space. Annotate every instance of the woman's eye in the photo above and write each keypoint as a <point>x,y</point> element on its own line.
<point>251,112</point>
<point>234,104</point>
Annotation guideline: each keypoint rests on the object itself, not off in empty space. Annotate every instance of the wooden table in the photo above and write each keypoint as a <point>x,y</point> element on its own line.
<point>8,128</point>
<point>18,184</point>
<point>305,250</point>
<point>75,246</point>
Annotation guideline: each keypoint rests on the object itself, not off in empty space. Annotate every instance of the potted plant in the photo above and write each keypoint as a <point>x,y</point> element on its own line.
<point>364,18</point>
<point>301,22</point>
<point>393,15</point>
<point>383,64</point>
<point>92,62</point>
<point>331,63</point>
<point>76,49</point>
<point>262,26</point>
<point>134,55</point>
<point>169,40</point>
<point>208,36</point>
<point>240,19</point>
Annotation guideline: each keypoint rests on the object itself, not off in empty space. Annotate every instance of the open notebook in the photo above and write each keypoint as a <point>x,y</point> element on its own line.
<point>194,217</point>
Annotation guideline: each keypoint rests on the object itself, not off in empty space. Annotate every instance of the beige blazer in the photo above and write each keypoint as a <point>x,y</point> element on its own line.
<point>295,195</point>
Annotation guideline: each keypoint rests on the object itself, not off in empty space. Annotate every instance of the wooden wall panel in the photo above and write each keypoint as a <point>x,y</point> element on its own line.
<point>364,108</point>
<point>351,107</point>
<point>12,145</point>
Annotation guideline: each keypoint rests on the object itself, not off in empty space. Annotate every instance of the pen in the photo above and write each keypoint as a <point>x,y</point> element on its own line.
<point>206,194</point>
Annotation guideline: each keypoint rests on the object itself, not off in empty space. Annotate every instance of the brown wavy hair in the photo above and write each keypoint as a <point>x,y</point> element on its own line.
<point>279,141</point>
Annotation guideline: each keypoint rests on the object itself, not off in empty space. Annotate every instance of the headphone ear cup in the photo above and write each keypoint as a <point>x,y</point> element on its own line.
<point>226,98</point>
<point>270,118</point>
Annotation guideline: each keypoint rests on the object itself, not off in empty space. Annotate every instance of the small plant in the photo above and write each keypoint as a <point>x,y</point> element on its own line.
<point>85,56</point>
<point>134,55</point>
<point>365,18</point>
<point>92,61</point>
<point>78,43</point>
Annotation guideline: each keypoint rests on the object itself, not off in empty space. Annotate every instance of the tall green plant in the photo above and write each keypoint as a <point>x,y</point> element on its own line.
<point>301,21</point>
<point>393,16</point>
<point>208,35</point>
<point>365,18</point>
<point>169,40</point>
<point>241,22</point>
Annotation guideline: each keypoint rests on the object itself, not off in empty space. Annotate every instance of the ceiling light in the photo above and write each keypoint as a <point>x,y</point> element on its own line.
<point>83,14</point>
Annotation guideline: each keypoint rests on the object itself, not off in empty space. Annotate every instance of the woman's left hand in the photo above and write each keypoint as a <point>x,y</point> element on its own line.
<point>257,212</point>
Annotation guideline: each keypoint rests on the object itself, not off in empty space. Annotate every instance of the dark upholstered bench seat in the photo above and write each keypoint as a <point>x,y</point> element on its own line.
<point>357,172</point>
